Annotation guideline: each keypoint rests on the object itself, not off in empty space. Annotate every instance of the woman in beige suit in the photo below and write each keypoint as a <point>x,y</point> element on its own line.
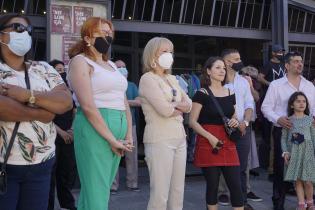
<point>163,103</point>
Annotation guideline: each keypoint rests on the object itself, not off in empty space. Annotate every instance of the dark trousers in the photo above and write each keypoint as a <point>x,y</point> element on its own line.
<point>28,187</point>
<point>264,147</point>
<point>279,186</point>
<point>243,148</point>
<point>231,175</point>
<point>63,176</point>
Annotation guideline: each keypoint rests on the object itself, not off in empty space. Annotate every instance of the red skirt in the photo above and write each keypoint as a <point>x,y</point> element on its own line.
<point>227,155</point>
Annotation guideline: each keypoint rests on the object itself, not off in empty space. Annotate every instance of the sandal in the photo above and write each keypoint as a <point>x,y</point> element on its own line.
<point>301,206</point>
<point>310,205</point>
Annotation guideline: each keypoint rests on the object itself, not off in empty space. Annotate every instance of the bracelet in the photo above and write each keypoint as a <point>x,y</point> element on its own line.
<point>285,153</point>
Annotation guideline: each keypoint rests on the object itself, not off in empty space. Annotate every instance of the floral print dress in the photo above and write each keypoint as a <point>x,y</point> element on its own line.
<point>34,142</point>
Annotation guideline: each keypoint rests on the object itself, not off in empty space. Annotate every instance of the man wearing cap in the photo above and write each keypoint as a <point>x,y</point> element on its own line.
<point>273,70</point>
<point>131,158</point>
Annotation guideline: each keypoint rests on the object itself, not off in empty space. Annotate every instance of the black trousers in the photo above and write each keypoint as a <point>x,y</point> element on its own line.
<point>243,148</point>
<point>232,178</point>
<point>264,147</point>
<point>63,176</point>
<point>279,186</point>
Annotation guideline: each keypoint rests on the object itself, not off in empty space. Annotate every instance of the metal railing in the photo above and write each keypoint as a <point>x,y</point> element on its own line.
<point>300,20</point>
<point>249,14</point>
<point>252,14</point>
<point>30,7</point>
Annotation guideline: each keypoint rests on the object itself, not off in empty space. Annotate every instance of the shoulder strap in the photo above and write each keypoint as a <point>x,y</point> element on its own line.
<point>15,129</point>
<point>214,100</point>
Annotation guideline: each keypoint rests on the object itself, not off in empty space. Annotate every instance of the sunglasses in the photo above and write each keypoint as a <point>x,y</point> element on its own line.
<point>18,27</point>
<point>174,93</point>
<point>217,147</point>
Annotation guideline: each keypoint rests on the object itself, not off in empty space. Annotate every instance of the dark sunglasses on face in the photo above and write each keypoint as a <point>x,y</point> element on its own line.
<point>18,27</point>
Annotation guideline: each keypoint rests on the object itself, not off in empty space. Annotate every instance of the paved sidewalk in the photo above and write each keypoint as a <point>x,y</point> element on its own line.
<point>194,193</point>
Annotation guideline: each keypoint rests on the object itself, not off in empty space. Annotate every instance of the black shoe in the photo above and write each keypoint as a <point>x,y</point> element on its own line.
<point>253,197</point>
<point>291,191</point>
<point>113,192</point>
<point>248,207</point>
<point>224,200</point>
<point>134,189</point>
<point>253,173</point>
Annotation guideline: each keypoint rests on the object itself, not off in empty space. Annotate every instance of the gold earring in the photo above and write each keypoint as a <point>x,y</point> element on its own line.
<point>88,45</point>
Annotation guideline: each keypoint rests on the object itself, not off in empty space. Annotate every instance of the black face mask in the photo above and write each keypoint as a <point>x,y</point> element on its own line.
<point>280,57</point>
<point>102,44</point>
<point>238,66</point>
<point>64,77</point>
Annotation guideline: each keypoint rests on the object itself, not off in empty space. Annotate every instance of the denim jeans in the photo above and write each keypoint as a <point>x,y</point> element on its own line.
<point>28,186</point>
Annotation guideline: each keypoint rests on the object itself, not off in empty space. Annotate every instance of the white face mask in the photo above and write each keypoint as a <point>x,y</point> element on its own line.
<point>20,43</point>
<point>166,60</point>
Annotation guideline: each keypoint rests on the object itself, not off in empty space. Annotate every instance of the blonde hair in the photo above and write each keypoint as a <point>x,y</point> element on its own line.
<point>150,51</point>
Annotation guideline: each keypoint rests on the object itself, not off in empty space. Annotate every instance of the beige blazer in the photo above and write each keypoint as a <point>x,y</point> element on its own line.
<point>156,102</point>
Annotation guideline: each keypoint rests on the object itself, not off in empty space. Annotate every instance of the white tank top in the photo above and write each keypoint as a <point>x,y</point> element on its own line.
<point>108,87</point>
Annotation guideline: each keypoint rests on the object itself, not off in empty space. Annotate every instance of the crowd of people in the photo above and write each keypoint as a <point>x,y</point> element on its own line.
<point>54,124</point>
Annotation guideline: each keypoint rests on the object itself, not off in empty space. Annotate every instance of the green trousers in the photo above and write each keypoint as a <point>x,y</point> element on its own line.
<point>97,164</point>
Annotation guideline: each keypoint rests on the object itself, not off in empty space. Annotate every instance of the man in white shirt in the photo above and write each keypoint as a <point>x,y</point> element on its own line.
<point>244,111</point>
<point>274,109</point>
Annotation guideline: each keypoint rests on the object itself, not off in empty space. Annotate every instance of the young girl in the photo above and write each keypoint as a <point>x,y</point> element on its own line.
<point>298,150</point>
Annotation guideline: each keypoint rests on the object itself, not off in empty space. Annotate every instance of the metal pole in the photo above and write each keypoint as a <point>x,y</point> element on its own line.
<point>181,11</point>
<point>153,11</point>
<point>238,13</point>
<point>261,14</point>
<point>124,10</point>
<point>212,13</point>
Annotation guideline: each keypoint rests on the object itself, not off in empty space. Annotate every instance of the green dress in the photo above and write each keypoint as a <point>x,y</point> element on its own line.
<point>302,162</point>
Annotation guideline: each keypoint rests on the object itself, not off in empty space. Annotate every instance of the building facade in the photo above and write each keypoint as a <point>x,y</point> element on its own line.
<point>198,28</point>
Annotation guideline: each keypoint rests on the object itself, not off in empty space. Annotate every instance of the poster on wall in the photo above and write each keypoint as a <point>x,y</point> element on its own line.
<point>67,43</point>
<point>61,17</point>
<point>80,15</point>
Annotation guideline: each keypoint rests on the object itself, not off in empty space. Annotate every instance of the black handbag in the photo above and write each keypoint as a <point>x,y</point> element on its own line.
<point>234,134</point>
<point>3,172</point>
<point>297,138</point>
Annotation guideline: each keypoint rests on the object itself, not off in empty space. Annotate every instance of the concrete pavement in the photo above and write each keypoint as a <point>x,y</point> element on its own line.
<point>194,193</point>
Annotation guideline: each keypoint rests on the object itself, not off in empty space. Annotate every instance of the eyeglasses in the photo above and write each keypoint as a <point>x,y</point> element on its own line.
<point>18,27</point>
<point>174,93</point>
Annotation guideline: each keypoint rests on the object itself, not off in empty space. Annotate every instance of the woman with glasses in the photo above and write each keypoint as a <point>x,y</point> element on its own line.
<point>215,153</point>
<point>163,103</point>
<point>103,124</point>
<point>30,96</point>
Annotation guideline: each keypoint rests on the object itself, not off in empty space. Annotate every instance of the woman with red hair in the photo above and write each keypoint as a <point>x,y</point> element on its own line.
<point>102,125</point>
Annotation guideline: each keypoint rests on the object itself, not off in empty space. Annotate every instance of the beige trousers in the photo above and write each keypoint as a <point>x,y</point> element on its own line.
<point>167,166</point>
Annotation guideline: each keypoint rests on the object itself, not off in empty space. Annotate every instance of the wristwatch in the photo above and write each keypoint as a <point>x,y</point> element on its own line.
<point>32,98</point>
<point>246,123</point>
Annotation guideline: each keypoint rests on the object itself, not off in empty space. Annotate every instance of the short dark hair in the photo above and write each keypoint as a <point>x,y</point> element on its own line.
<point>226,52</point>
<point>289,55</point>
<point>4,19</point>
<point>205,80</point>
<point>292,98</point>
<point>55,62</point>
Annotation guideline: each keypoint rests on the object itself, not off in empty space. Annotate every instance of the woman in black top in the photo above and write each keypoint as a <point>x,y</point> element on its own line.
<point>215,152</point>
